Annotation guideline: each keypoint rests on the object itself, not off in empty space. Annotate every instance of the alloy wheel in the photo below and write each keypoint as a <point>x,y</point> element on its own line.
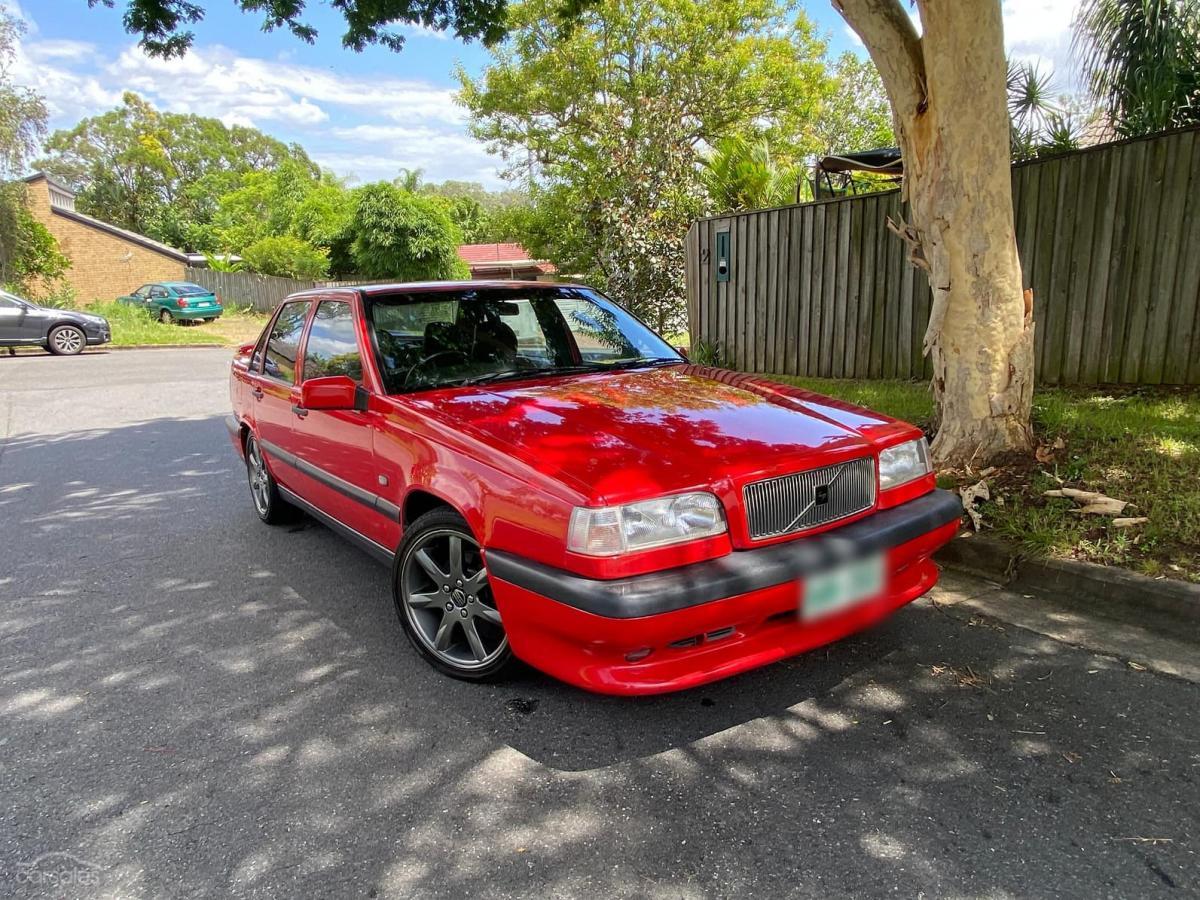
<point>67,341</point>
<point>446,598</point>
<point>260,480</point>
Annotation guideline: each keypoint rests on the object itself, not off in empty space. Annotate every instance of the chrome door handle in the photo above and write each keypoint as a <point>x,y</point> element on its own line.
<point>258,393</point>
<point>299,411</point>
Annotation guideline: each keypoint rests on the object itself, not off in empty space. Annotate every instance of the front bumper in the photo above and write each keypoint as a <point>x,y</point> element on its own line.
<point>94,335</point>
<point>713,619</point>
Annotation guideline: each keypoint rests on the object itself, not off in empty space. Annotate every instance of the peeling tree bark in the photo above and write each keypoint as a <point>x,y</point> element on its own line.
<point>947,91</point>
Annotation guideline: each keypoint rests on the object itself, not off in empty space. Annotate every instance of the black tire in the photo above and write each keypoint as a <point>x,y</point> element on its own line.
<point>464,602</point>
<point>66,340</point>
<point>264,493</point>
<point>165,317</point>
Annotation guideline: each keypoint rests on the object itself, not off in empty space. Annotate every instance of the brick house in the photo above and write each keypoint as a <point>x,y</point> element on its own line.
<point>106,261</point>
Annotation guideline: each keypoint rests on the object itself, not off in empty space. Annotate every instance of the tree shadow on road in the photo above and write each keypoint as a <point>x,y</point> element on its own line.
<point>200,704</point>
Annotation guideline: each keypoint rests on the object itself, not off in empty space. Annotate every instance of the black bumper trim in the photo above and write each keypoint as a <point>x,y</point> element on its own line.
<point>736,573</point>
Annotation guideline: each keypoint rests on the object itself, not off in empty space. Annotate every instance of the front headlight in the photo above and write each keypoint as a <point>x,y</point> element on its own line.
<point>901,464</point>
<point>613,530</point>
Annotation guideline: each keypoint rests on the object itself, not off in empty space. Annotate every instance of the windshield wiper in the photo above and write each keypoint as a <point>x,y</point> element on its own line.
<point>644,361</point>
<point>584,368</point>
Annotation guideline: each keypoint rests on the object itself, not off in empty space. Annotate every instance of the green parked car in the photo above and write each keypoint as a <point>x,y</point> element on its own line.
<point>175,301</point>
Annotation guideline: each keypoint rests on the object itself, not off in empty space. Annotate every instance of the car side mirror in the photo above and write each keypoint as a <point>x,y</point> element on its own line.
<point>333,392</point>
<point>682,351</point>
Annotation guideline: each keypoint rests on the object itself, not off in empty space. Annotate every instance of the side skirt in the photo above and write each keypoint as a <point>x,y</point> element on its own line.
<point>378,551</point>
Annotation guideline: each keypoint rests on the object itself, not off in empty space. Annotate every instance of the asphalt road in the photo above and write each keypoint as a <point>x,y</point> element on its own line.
<point>194,704</point>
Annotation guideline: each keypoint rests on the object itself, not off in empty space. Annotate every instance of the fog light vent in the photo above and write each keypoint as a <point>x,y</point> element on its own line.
<point>685,642</point>
<point>638,655</point>
<point>719,634</point>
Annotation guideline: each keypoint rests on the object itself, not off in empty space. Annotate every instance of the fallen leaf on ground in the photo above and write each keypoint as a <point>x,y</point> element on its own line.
<point>1072,757</point>
<point>1137,667</point>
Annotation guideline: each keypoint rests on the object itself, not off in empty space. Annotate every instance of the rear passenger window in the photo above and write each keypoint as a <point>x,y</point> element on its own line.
<point>332,347</point>
<point>284,343</point>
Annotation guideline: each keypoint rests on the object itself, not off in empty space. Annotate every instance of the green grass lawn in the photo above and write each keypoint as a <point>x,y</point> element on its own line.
<point>1140,445</point>
<point>133,327</point>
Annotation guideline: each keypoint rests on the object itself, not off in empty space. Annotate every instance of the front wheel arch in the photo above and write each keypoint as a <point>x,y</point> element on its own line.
<point>425,608</point>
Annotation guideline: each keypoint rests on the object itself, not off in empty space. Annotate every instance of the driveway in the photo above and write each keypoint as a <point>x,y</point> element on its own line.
<point>194,704</point>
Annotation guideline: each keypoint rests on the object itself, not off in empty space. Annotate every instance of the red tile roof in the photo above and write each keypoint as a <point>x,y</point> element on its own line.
<point>503,256</point>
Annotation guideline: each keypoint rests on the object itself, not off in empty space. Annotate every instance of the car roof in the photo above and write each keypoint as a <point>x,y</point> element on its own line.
<point>384,289</point>
<point>180,284</point>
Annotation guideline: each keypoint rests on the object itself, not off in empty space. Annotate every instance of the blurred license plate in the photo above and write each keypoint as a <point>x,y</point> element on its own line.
<point>829,592</point>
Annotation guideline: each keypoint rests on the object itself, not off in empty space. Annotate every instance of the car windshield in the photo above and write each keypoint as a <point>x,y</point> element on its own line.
<point>189,290</point>
<point>427,339</point>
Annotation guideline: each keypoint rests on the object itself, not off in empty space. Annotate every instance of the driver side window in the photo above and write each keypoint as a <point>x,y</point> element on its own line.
<point>157,292</point>
<point>332,347</point>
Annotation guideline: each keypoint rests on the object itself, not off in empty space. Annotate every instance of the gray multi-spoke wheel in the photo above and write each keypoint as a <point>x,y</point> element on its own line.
<point>271,508</point>
<point>166,318</point>
<point>444,600</point>
<point>67,340</point>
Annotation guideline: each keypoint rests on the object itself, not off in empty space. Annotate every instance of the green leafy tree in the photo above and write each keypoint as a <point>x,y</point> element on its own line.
<point>162,174</point>
<point>1141,59</point>
<point>855,115</point>
<point>162,25</point>
<point>397,234</point>
<point>605,120</point>
<point>478,212</point>
<point>30,260</point>
<point>322,216</point>
<point>1040,125</point>
<point>744,174</point>
<point>268,203</point>
<point>22,110</point>
<point>223,263</point>
<point>287,257</point>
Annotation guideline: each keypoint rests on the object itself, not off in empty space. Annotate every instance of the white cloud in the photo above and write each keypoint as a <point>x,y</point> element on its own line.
<point>361,126</point>
<point>61,49</point>
<point>424,31</point>
<point>1039,31</point>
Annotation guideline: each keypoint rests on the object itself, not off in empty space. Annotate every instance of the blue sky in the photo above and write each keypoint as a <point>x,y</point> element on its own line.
<point>363,115</point>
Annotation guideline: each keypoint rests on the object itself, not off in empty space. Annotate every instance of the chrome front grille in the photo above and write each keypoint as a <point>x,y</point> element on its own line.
<point>804,500</point>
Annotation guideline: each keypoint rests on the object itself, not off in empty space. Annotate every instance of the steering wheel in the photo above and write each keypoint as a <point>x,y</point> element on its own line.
<point>425,360</point>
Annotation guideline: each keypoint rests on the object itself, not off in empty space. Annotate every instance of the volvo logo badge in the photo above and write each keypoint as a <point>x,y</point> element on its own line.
<point>821,494</point>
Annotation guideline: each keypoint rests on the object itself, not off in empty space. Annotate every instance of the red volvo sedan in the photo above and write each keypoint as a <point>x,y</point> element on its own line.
<point>549,480</point>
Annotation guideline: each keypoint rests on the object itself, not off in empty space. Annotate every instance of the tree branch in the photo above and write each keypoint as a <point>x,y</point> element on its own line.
<point>895,48</point>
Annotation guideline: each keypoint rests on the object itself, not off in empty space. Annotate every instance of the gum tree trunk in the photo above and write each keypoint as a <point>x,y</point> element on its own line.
<point>947,91</point>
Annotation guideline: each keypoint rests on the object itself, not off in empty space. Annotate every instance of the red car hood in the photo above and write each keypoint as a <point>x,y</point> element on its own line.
<point>627,435</point>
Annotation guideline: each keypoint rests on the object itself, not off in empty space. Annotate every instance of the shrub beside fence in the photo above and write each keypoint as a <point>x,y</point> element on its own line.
<point>1109,239</point>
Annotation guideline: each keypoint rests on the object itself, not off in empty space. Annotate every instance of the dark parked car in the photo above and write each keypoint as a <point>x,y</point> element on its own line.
<point>63,332</point>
